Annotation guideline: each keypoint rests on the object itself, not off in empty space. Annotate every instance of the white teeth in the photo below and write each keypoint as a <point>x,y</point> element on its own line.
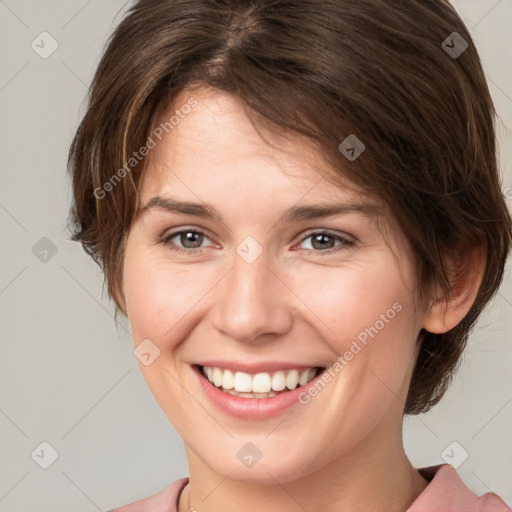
<point>239,383</point>
<point>306,376</point>
<point>250,395</point>
<point>292,379</point>
<point>278,381</point>
<point>217,376</point>
<point>261,383</point>
<point>228,380</point>
<point>242,383</point>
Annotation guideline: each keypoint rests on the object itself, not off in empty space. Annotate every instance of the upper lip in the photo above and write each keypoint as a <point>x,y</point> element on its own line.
<point>261,367</point>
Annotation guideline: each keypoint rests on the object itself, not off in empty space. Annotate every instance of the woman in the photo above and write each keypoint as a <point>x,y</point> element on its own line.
<point>296,204</point>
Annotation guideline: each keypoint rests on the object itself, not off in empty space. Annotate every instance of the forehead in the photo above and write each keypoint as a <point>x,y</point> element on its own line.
<point>216,142</point>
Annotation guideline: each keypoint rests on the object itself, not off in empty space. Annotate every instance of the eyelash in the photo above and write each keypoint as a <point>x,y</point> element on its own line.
<point>345,243</point>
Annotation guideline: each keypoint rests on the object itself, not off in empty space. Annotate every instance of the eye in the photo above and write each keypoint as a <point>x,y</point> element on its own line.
<point>320,242</point>
<point>190,238</point>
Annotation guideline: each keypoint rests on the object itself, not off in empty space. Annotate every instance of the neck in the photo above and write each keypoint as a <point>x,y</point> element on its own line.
<point>375,477</point>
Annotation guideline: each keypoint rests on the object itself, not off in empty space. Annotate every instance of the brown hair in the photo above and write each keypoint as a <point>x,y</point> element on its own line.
<point>325,69</point>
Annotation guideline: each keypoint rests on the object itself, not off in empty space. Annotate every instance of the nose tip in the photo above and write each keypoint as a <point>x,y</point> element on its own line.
<point>252,301</point>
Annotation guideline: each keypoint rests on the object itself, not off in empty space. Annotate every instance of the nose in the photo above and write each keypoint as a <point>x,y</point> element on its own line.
<point>252,301</point>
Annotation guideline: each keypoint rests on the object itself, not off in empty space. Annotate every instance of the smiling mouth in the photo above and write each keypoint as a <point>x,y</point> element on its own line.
<point>259,385</point>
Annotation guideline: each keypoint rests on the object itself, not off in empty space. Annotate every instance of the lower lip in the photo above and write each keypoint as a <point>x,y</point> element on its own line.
<point>251,408</point>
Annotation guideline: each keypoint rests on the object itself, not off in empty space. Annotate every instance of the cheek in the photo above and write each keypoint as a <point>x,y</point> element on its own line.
<point>365,314</point>
<point>158,296</point>
<point>351,299</point>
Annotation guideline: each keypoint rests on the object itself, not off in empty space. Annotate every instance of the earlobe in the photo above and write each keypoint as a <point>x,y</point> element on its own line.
<point>446,312</point>
<point>436,318</point>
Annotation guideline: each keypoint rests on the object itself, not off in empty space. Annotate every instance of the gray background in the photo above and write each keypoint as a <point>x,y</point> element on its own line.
<point>68,375</point>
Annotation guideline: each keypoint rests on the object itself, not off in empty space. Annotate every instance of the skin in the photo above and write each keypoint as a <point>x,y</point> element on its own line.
<point>341,451</point>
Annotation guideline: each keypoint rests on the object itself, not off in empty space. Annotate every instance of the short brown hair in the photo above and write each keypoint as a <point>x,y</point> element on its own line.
<point>325,69</point>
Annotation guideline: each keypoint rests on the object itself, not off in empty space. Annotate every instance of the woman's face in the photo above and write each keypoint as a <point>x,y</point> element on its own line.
<point>249,288</point>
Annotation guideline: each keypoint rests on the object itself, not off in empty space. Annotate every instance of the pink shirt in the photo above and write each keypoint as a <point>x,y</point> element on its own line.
<point>446,492</point>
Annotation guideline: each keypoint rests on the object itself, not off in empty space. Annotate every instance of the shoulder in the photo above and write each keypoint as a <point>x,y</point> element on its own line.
<point>165,500</point>
<point>447,492</point>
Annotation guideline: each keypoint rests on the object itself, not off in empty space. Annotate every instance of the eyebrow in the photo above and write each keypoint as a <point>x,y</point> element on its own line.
<point>293,214</point>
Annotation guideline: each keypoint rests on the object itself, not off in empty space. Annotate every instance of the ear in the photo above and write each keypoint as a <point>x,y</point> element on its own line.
<point>446,312</point>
